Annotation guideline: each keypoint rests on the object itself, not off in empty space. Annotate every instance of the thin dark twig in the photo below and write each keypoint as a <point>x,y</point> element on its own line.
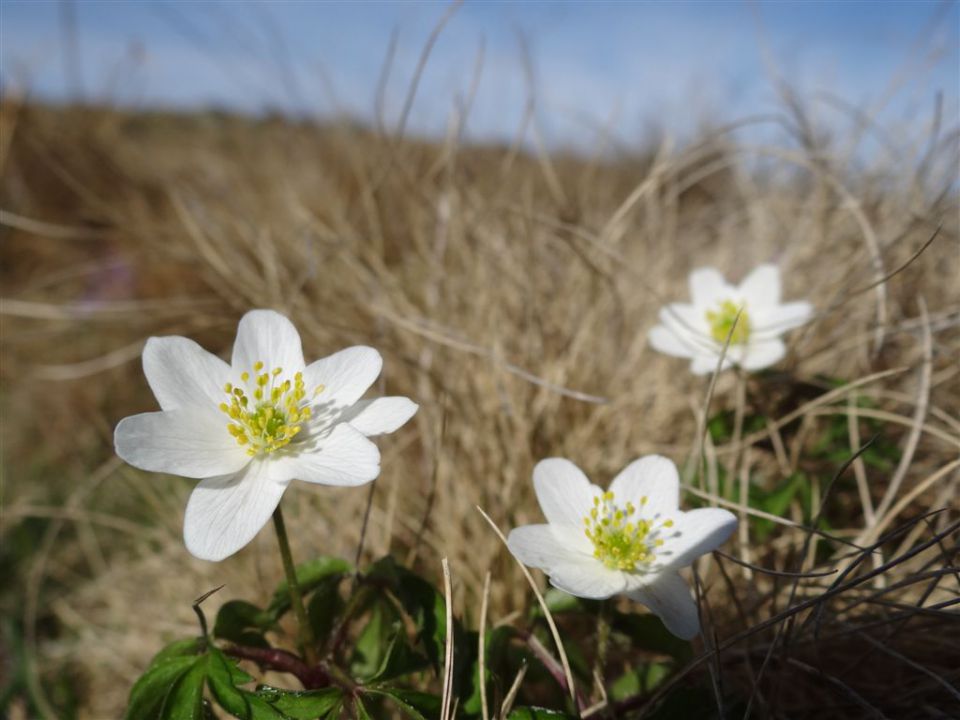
<point>196,608</point>
<point>432,492</point>
<point>703,609</point>
<point>641,702</point>
<point>363,531</point>
<point>769,571</point>
<point>886,566</point>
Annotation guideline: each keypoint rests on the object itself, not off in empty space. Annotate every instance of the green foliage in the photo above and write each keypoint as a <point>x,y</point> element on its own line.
<point>310,575</point>
<point>414,704</point>
<point>537,713</point>
<point>303,705</point>
<point>383,639</point>
<point>171,689</point>
<point>776,502</point>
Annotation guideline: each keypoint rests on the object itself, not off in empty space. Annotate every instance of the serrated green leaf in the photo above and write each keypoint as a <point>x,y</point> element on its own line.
<point>309,575</point>
<point>243,623</point>
<point>150,693</point>
<point>537,713</point>
<point>185,701</point>
<point>305,704</point>
<point>415,704</point>
<point>180,648</point>
<point>223,676</point>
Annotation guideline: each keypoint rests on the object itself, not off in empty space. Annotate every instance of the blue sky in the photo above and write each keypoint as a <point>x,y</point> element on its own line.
<point>627,66</point>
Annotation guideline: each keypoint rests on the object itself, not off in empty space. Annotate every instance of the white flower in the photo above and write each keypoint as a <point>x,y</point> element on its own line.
<point>248,428</point>
<point>631,539</point>
<point>698,330</point>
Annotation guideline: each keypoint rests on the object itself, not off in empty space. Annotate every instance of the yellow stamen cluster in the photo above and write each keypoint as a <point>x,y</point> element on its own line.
<point>722,319</point>
<point>619,541</point>
<point>273,412</point>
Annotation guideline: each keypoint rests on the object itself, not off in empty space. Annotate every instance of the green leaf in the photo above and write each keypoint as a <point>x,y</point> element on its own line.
<point>420,600</point>
<point>776,502</point>
<point>303,705</point>
<point>372,645</point>
<point>150,694</point>
<point>223,676</point>
<point>361,710</point>
<point>559,602</point>
<point>639,680</point>
<point>180,648</point>
<point>415,704</point>
<point>324,607</point>
<point>185,701</point>
<point>537,713</point>
<point>309,575</point>
<point>495,657</point>
<point>648,632</point>
<point>243,623</point>
<point>399,659</point>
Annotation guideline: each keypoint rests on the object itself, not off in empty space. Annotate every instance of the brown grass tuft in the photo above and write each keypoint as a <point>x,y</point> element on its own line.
<point>512,293</point>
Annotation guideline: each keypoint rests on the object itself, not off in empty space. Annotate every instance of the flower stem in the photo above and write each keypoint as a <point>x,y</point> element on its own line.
<point>307,640</point>
<point>603,639</point>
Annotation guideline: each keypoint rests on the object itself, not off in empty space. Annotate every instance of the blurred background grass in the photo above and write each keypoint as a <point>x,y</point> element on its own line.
<point>509,280</point>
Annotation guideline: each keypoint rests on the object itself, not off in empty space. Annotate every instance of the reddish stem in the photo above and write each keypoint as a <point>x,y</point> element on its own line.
<point>312,678</point>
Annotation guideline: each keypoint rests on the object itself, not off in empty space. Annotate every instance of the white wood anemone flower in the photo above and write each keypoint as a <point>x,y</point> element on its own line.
<point>698,330</point>
<point>248,428</point>
<point>630,539</point>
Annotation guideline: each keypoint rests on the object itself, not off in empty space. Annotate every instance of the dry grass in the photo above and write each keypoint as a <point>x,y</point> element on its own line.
<point>511,294</point>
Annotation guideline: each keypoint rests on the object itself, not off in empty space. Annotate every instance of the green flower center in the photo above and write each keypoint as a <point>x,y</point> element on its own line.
<point>273,412</point>
<point>619,541</point>
<point>722,320</point>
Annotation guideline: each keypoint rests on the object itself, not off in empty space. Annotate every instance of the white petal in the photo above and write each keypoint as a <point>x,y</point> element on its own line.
<point>668,342</point>
<point>341,457</point>
<point>687,322</point>
<point>780,318</point>
<point>705,363</point>
<point>190,443</point>
<point>763,353</point>
<point>380,415</point>
<point>183,374</point>
<point>267,336</point>
<point>225,513</point>
<point>345,376</point>
<point>669,598</point>
<point>563,491</point>
<point>707,288</point>
<point>587,578</point>
<point>653,477</point>
<point>761,288</point>
<point>693,534</point>
<point>541,546</point>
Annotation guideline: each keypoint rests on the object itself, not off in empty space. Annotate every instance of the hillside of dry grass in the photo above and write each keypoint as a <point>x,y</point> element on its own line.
<point>510,294</point>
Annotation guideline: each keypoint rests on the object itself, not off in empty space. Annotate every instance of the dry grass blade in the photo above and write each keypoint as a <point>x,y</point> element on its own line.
<point>482,648</point>
<point>568,675</point>
<point>447,700</point>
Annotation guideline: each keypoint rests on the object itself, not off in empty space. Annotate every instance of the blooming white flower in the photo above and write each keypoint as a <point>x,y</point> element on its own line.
<point>698,330</point>
<point>631,539</point>
<point>248,428</point>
